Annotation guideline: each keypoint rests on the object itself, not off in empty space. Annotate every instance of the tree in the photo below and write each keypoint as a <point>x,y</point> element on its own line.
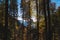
<point>56,24</point>
<point>13,11</point>
<point>5,11</point>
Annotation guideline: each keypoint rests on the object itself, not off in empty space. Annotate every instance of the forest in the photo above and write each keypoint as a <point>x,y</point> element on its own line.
<point>29,20</point>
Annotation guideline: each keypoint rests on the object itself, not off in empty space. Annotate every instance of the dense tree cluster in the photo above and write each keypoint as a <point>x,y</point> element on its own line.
<point>41,17</point>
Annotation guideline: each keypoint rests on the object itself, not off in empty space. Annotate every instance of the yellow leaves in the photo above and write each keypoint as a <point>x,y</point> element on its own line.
<point>17,27</point>
<point>33,8</point>
<point>41,24</point>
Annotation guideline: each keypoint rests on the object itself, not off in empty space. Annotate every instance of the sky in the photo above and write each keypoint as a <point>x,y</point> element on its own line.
<point>57,2</point>
<point>20,13</point>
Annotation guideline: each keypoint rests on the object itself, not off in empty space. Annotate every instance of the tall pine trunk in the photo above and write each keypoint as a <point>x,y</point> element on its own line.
<point>6,21</point>
<point>49,28</point>
<point>37,11</point>
<point>45,15</point>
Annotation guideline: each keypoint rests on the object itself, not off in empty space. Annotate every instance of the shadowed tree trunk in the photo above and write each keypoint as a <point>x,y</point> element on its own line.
<point>37,11</point>
<point>49,28</point>
<point>47,19</point>
<point>44,11</point>
<point>6,21</point>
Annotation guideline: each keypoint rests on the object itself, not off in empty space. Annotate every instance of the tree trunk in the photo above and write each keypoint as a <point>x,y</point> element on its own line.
<point>6,21</point>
